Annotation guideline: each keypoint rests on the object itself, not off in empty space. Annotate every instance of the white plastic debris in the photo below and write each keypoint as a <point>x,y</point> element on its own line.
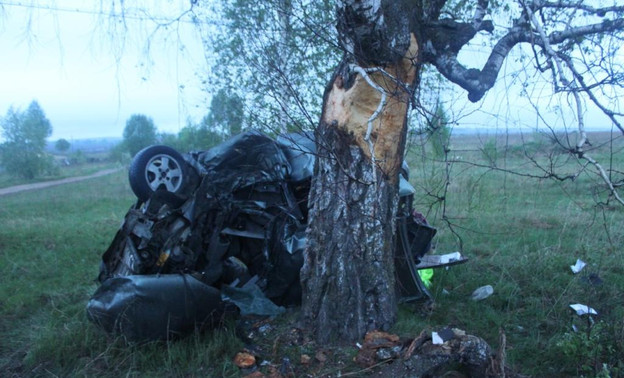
<point>436,339</point>
<point>580,264</point>
<point>482,292</point>
<point>449,257</point>
<point>582,309</point>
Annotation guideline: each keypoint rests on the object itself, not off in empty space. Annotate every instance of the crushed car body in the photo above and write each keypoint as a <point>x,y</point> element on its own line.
<point>223,231</point>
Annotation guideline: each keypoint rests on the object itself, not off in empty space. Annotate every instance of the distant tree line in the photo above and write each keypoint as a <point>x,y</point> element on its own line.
<point>24,133</point>
<point>224,119</point>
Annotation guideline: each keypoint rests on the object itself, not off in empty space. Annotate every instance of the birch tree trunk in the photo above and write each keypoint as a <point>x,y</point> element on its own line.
<point>348,274</point>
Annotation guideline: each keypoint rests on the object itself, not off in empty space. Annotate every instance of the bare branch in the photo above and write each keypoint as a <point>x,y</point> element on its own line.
<point>576,6</point>
<point>588,90</point>
<point>443,56</point>
<point>579,111</point>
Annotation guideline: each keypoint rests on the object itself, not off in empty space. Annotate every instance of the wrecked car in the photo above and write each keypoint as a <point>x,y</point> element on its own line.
<point>223,231</point>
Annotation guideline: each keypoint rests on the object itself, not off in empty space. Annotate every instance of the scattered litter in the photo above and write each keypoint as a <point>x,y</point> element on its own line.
<point>436,339</point>
<point>437,261</point>
<point>425,276</point>
<point>445,335</point>
<point>582,309</point>
<point>580,264</point>
<point>482,292</point>
<point>450,257</point>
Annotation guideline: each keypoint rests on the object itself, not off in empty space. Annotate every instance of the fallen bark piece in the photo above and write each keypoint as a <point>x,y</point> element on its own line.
<point>244,360</point>
<point>305,359</point>
<point>378,346</point>
<point>374,336</point>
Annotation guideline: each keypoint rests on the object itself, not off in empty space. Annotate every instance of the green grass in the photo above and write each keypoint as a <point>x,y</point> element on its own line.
<point>51,242</point>
<point>521,235</point>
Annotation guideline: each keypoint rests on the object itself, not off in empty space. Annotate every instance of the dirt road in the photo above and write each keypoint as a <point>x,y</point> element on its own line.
<point>47,184</point>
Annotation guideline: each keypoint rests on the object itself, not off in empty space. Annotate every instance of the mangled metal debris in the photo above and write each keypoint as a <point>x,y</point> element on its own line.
<point>223,230</point>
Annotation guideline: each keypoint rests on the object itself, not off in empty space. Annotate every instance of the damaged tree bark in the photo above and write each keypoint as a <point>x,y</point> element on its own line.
<point>348,274</point>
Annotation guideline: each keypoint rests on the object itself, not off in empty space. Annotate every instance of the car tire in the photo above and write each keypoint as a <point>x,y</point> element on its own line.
<point>157,168</point>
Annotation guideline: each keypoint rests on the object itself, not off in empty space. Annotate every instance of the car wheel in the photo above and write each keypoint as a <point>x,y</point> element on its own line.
<point>157,168</point>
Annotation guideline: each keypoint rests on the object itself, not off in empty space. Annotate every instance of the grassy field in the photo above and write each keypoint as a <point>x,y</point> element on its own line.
<point>520,234</point>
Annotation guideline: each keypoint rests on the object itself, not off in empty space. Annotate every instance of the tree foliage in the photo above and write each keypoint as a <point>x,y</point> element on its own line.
<point>276,55</point>
<point>62,145</point>
<point>25,133</point>
<point>198,137</point>
<point>226,113</point>
<point>139,133</point>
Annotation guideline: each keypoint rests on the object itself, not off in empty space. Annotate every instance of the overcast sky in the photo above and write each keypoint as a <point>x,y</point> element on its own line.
<point>89,82</point>
<point>64,58</point>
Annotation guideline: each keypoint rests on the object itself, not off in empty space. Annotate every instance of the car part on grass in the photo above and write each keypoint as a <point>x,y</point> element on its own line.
<point>237,230</point>
<point>179,303</point>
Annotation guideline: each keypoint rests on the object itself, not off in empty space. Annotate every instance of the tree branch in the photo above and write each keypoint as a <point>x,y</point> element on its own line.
<point>572,84</point>
<point>575,6</point>
<point>439,51</point>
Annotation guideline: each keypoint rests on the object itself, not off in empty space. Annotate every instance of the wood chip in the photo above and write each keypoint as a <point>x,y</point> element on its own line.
<point>244,360</point>
<point>374,335</point>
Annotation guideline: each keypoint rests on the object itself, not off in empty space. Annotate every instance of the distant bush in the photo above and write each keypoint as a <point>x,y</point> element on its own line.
<point>23,153</point>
